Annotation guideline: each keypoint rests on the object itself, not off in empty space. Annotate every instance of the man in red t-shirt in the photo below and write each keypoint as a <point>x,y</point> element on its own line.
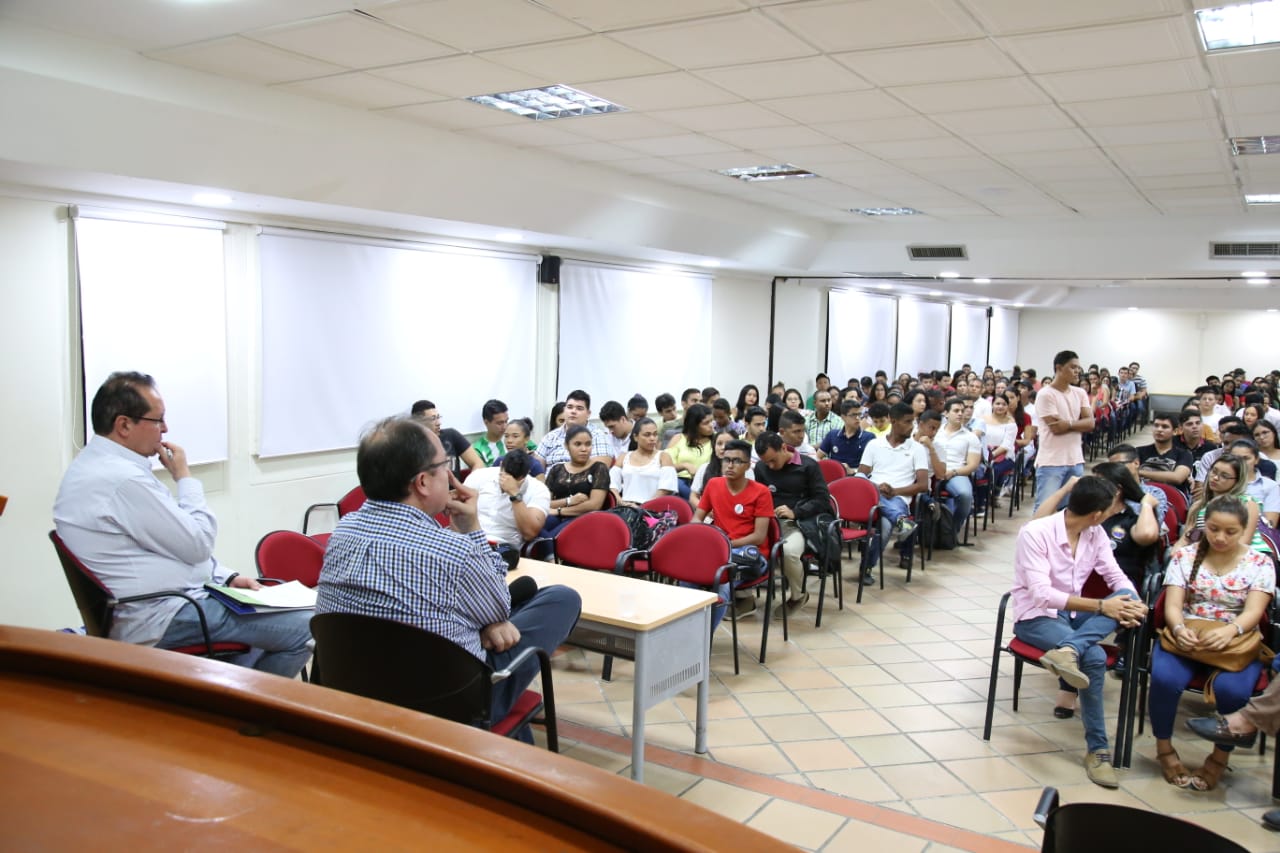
<point>741,508</point>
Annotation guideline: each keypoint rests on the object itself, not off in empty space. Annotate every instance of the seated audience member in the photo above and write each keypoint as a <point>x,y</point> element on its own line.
<point>778,388</point>
<point>1127,455</point>
<point>899,466</point>
<point>1263,466</point>
<point>935,400</point>
<point>646,472</point>
<point>1000,437</point>
<point>722,418</point>
<point>709,395</point>
<point>846,445</point>
<point>1268,441</point>
<point>1227,477</point>
<point>516,437</point>
<point>577,412</point>
<point>511,505</point>
<point>918,400</point>
<point>793,400</point>
<point>879,392</point>
<point>1207,401</point>
<point>712,469</point>
<point>1262,400</point>
<point>747,397</point>
<point>798,491</point>
<point>821,420</point>
<point>821,382</point>
<point>692,447</point>
<point>637,408</point>
<point>961,454</point>
<point>1258,487</point>
<point>1231,429</point>
<point>618,425</point>
<point>456,447</point>
<point>557,418</point>
<point>1191,435</point>
<point>1054,558</point>
<point>489,446</point>
<point>579,484</point>
<point>791,428</point>
<point>754,421</point>
<point>878,419</point>
<point>1163,461</point>
<point>126,527</point>
<point>1140,393</point>
<point>392,559</point>
<point>742,509</point>
<point>670,424</point>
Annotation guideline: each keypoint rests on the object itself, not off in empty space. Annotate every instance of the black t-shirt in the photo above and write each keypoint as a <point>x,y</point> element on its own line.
<point>1196,453</point>
<point>455,444</point>
<point>1132,558</point>
<point>1149,457</point>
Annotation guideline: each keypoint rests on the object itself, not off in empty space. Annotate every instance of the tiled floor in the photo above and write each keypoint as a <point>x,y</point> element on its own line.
<point>867,733</point>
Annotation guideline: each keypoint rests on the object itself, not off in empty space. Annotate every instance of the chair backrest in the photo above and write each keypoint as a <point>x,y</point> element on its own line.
<point>855,497</point>
<point>351,501</point>
<point>93,600</point>
<point>691,552</point>
<point>1108,828</point>
<point>592,541</point>
<point>831,470</point>
<point>290,556</point>
<point>403,665</point>
<point>675,503</point>
<point>1095,586</point>
<point>1177,500</point>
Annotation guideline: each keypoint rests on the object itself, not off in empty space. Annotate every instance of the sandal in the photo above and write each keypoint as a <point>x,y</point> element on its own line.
<point>1171,766</point>
<point>1207,777</point>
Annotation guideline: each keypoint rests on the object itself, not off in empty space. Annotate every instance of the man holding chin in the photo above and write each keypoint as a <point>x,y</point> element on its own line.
<point>127,528</point>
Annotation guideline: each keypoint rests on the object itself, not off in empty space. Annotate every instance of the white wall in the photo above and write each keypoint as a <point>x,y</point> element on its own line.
<point>1176,349</point>
<point>800,335</point>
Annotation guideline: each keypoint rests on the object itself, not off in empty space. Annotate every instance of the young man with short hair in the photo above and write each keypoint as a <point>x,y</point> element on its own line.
<point>821,382</point>
<point>821,420</point>
<point>1064,410</point>
<point>799,491</point>
<point>456,447</point>
<point>619,425</point>
<point>1163,461</point>
<point>755,419</point>
<point>742,509</point>
<point>1191,435</point>
<point>961,454</point>
<point>722,418</point>
<point>847,445</point>
<point>577,412</point>
<point>511,506</point>
<point>489,446</point>
<point>878,419</point>
<point>899,467</point>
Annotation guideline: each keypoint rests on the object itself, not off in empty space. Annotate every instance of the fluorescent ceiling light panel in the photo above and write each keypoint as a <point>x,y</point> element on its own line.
<point>982,281</point>
<point>548,103</point>
<point>948,274</point>
<point>886,211</point>
<point>1241,25</point>
<point>777,172</point>
<point>1242,145</point>
<point>1262,198</point>
<point>1257,281</point>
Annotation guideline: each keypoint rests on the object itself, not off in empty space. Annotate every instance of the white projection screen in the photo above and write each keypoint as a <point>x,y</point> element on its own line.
<point>968,336</point>
<point>354,330</point>
<point>625,331</point>
<point>153,300</point>
<point>1004,337</point>
<point>922,335</point>
<point>860,334</point>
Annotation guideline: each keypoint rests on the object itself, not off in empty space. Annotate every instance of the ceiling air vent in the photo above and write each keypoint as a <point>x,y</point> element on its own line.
<point>937,253</point>
<point>1244,250</point>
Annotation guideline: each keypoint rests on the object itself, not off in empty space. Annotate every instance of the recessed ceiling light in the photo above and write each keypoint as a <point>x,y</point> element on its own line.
<point>212,199</point>
<point>886,211</point>
<point>1243,146</point>
<point>776,172</point>
<point>1262,198</point>
<point>1257,281</point>
<point>935,292</point>
<point>1254,274</point>
<point>1240,25</point>
<point>1133,307</point>
<point>509,236</point>
<point>984,299</point>
<point>1272,310</point>
<point>948,274</point>
<point>710,262</point>
<point>1019,305</point>
<point>549,102</point>
<point>982,281</point>
<point>884,286</point>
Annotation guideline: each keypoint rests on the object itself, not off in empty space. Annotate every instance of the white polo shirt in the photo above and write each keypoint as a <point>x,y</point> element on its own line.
<point>493,507</point>
<point>954,448</point>
<point>896,466</point>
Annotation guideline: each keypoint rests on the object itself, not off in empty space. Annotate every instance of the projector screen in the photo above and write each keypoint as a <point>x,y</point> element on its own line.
<point>860,334</point>
<point>922,335</point>
<point>968,336</point>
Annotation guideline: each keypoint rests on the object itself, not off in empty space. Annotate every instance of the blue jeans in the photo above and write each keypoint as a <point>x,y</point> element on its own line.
<point>283,638</point>
<point>1050,478</point>
<point>891,509</point>
<point>1081,632</point>
<point>1170,675</point>
<point>543,621</point>
<point>961,501</point>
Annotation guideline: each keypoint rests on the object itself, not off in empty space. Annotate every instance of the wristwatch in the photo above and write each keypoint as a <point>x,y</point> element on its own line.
<point>515,499</point>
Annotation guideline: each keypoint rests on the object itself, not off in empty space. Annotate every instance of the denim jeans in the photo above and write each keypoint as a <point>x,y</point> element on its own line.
<point>891,509</point>
<point>1170,675</point>
<point>961,501</point>
<point>543,621</point>
<point>1050,478</point>
<point>283,638</point>
<point>1081,632</point>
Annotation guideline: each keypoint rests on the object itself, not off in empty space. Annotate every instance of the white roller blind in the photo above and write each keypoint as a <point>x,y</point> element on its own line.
<point>153,299</point>
<point>1004,337</point>
<point>860,334</point>
<point>922,335</point>
<point>353,331</point>
<point>627,331</point>
<point>968,336</point>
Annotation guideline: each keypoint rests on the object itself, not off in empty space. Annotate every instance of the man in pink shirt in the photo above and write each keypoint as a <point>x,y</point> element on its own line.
<point>1065,414</point>
<point>1054,558</point>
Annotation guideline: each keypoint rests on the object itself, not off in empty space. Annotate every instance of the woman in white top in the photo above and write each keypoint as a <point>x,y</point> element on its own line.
<point>711,469</point>
<point>1001,437</point>
<point>644,473</point>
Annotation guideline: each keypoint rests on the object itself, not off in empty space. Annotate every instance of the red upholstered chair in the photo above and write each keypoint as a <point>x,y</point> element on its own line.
<point>350,502</point>
<point>407,666</point>
<point>594,540</point>
<point>1177,500</point>
<point>681,507</point>
<point>285,555</point>
<point>858,503</point>
<point>697,554</point>
<point>97,604</point>
<point>832,470</point>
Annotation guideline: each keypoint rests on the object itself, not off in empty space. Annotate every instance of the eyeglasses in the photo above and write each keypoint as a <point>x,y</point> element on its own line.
<point>1218,475</point>
<point>435,419</point>
<point>431,469</point>
<point>159,421</point>
<point>732,460</point>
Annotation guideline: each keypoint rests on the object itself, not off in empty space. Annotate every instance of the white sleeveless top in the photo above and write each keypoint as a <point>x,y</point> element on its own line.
<point>639,483</point>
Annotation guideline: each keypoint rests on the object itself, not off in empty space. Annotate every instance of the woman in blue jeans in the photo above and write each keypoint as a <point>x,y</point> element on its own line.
<point>1221,579</point>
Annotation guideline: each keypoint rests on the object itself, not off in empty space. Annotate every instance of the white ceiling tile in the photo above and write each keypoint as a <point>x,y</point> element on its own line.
<point>591,152</point>
<point>455,115</point>
<point>611,127</point>
<point>1245,100</point>
<point>817,156</point>
<point>580,60</point>
<point>671,146</point>
<point>1001,17</point>
<point>726,40</point>
<point>1049,158</point>
<point>771,138</point>
<point>1078,188</point>
<point>971,95</point>
<point>814,75</point>
<point>1202,179</point>
<point>1044,174</point>
<point>358,89</point>
<point>946,167</point>
<point>1201,207</point>
<point>460,76</point>
<point>933,63</point>
<point>845,106</point>
<point>1097,47</point>
<point>837,25</point>
<point>865,171</point>
<point>1126,81</point>
<point>472,25</point>
<point>351,40</point>
<point>662,92</point>
<point>1039,140</point>
<point>1178,106</point>
<point>1219,193</point>
<point>1170,151</point>
<point>881,130</point>
<point>614,14</point>
<point>910,149</point>
<point>1263,166</point>
<point>732,159</point>
<point>1163,131</point>
<point>1154,168</point>
<point>246,59</point>
<point>1245,68</point>
<point>1257,124</point>
<point>532,134</point>
<point>721,117</point>
<point>1006,120</point>
<point>647,165</point>
<point>972,180</point>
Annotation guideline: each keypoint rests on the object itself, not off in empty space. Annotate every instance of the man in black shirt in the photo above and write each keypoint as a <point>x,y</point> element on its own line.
<point>1191,437</point>
<point>799,491</point>
<point>1163,461</point>
<point>456,447</point>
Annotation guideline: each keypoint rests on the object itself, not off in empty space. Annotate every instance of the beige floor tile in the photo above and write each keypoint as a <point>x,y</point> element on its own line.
<point>860,837</point>
<point>728,800</point>
<point>842,657</point>
<point>892,654</point>
<point>760,758</point>
<point>1058,769</point>
<point>790,727</point>
<point>1243,829</point>
<point>718,707</point>
<point>967,811</point>
<point>991,774</point>
<point>816,640</point>
<point>911,672</point>
<point>859,723</point>
<point>877,750</point>
<point>595,715</point>
<point>807,679</point>
<point>605,760</point>
<point>830,699</point>
<point>949,745</point>
<point>1019,740</point>
<point>941,651</point>
<point>920,718</point>
<point>890,620</point>
<point>755,683</point>
<point>867,639</point>
<point>947,692</point>
<point>665,712</point>
<point>677,736</point>
<point>1018,805</point>
<point>796,824</point>
<point>858,676</point>
<point>859,784</point>
<point>738,732</point>
<point>971,715</point>
<point>912,780</point>
<point>827,754</point>
<point>771,704</point>
<point>886,696</point>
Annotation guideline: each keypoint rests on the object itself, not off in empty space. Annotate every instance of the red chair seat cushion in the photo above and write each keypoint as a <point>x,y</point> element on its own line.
<point>1033,655</point>
<point>852,534</point>
<point>528,704</point>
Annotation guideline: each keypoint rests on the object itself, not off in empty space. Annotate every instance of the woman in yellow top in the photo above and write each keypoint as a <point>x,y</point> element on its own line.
<point>693,446</point>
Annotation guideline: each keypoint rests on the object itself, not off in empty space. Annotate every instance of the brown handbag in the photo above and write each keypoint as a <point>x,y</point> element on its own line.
<point>1239,653</point>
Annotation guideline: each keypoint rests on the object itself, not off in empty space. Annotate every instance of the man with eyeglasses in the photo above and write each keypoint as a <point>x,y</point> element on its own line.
<point>742,509</point>
<point>456,447</point>
<point>392,559</point>
<point>124,525</point>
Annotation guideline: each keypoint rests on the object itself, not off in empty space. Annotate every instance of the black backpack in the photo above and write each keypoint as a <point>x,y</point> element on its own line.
<point>646,527</point>
<point>818,539</point>
<point>944,528</point>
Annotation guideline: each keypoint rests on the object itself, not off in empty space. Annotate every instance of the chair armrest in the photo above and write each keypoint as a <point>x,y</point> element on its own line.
<point>306,516</point>
<point>1047,805</point>
<point>172,593</point>
<point>515,663</point>
<point>625,560</point>
<point>531,548</point>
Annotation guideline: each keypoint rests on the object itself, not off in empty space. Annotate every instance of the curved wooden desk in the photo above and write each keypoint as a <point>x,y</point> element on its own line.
<point>108,745</point>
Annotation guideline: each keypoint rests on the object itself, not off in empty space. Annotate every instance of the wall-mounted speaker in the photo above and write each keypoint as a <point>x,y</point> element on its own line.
<point>549,270</point>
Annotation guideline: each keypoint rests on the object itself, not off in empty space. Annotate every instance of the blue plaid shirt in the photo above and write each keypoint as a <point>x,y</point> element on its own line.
<point>394,561</point>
